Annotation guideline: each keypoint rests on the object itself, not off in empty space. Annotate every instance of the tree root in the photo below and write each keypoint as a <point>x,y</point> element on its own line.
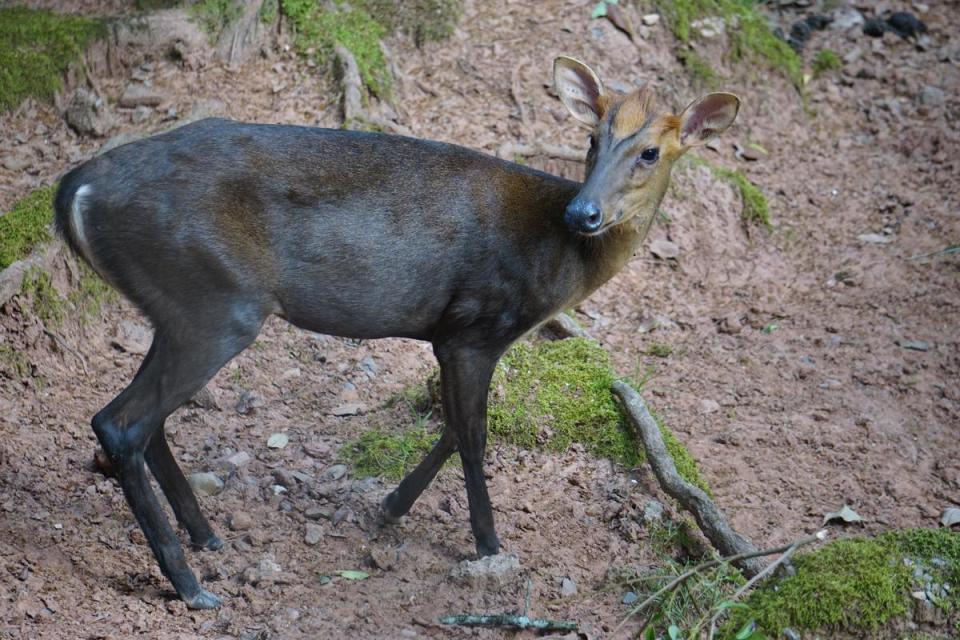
<point>711,521</point>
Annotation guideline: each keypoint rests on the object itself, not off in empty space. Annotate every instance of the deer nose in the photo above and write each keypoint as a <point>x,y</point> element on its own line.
<point>583,216</point>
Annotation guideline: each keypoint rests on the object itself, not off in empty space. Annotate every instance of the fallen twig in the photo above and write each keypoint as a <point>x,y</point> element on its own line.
<point>510,150</point>
<point>768,570</point>
<point>709,564</point>
<point>65,346</point>
<point>515,90</point>
<point>510,621</point>
<point>711,521</point>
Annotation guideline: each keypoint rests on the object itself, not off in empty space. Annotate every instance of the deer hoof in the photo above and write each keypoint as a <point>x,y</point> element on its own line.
<point>203,600</point>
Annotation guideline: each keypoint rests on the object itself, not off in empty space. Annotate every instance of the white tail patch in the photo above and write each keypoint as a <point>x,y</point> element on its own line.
<point>77,226</point>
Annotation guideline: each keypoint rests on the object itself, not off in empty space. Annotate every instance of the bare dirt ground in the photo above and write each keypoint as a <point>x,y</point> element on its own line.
<point>791,378</point>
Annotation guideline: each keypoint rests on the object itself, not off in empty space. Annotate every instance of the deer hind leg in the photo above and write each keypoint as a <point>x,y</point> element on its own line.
<point>178,365</point>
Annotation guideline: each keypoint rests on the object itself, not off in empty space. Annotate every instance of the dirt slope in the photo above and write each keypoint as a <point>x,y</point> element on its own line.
<point>788,377</point>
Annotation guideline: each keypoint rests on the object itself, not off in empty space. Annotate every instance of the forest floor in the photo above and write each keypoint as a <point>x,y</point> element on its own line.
<point>805,366</point>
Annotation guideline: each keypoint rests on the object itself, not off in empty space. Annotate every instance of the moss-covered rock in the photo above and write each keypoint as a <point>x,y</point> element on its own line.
<point>861,586</point>
<point>755,206</point>
<point>36,48</point>
<point>26,225</point>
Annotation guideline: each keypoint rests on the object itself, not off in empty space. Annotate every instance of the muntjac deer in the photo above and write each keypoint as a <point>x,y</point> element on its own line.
<point>214,226</point>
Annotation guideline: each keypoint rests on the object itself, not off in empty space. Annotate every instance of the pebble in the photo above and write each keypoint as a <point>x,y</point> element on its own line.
<point>664,249</point>
<point>316,513</point>
<point>206,483</point>
<point>348,409</point>
<point>846,18</point>
<point>16,162</point>
<point>240,521</point>
<point>335,472</point>
<point>653,512</point>
<point>931,96</point>
<point>568,588</point>
<point>629,597</point>
<point>247,402</point>
<point>874,238</point>
<point>239,459</point>
<point>650,19</point>
<point>313,534</point>
<point>489,571</point>
<point>708,406</point>
<point>914,345</point>
<point>384,558</point>
<point>278,441</point>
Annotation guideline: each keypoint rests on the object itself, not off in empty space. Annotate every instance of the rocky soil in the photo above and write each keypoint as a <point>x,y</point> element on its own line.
<point>811,365</point>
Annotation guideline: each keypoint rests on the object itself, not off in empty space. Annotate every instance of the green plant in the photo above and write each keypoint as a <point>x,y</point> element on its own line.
<point>826,60</point>
<point>389,454</point>
<point>91,293</point>
<point>26,225</point>
<point>13,363</point>
<point>755,205</point>
<point>659,349</point>
<point>425,20</point>
<point>36,48</point>
<point>856,584</point>
<point>700,71</point>
<point>319,30</point>
<point>269,11</point>
<point>45,302</point>
<point>750,38</point>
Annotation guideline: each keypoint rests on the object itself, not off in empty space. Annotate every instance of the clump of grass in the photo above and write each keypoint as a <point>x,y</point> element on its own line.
<point>755,205</point>
<point>856,585</point>
<point>26,225</point>
<point>826,60</point>
<point>45,302</point>
<point>750,38</point>
<point>214,16</point>
<point>36,48</point>
<point>379,452</point>
<point>269,11</point>
<point>91,293</point>
<point>13,363</point>
<point>659,350</point>
<point>700,71</point>
<point>319,30</point>
<point>424,20</point>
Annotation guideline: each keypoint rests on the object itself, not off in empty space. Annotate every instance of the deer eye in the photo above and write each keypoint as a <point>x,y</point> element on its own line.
<point>649,156</point>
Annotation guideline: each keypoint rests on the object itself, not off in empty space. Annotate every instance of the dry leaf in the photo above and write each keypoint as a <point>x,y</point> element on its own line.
<point>620,19</point>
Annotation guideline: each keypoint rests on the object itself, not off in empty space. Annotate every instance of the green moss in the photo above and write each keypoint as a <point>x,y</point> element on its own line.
<point>700,71</point>
<point>13,363</point>
<point>826,60</point>
<point>425,20</point>
<point>36,48</point>
<point>45,302</point>
<point>556,393</point>
<point>318,31</point>
<point>91,293</point>
<point>857,584</point>
<point>392,455</point>
<point>751,38</point>
<point>214,16</point>
<point>755,205</point>
<point>26,225</point>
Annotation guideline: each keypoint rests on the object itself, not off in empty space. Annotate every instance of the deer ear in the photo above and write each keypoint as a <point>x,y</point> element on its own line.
<point>707,117</point>
<point>579,88</point>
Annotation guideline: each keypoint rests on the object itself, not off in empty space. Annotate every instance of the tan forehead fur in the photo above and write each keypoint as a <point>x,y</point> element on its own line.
<point>635,109</point>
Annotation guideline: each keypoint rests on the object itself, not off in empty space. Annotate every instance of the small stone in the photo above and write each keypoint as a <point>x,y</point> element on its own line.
<point>653,512</point>
<point>568,588</point>
<point>710,27</point>
<point>664,249</point>
<point>874,238</point>
<point>205,483</point>
<point>650,19</point>
<point>239,459</point>
<point>247,402</point>
<point>708,406</point>
<point>874,27</point>
<point>335,472</point>
<point>914,345</point>
<point>141,114</point>
<point>846,18</point>
<point>931,96</point>
<point>278,441</point>
<point>240,521</point>
<point>136,95</point>
<point>730,324</point>
<point>290,374</point>
<point>88,114</point>
<point>348,409</point>
<point>206,398</point>
<point>316,513</point>
<point>17,162</point>
<point>629,597</point>
<point>790,634</point>
<point>314,534</point>
<point>488,572</point>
